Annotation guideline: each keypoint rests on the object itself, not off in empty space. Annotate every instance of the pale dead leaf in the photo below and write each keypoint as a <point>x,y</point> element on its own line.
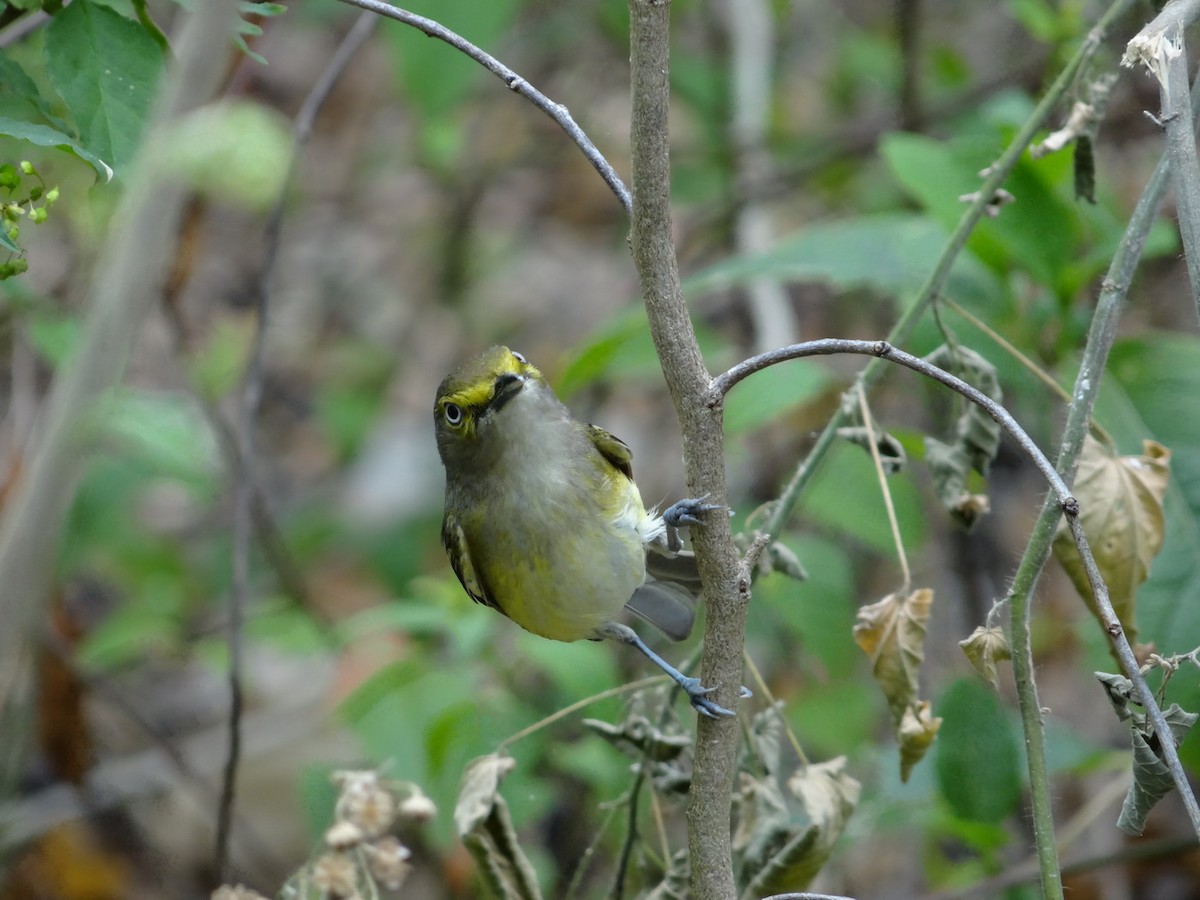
<point>984,648</point>
<point>485,826</point>
<point>828,795</point>
<point>917,730</point>
<point>1120,509</point>
<point>892,633</point>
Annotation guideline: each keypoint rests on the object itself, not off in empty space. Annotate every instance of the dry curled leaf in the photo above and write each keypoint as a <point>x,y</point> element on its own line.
<point>916,732</point>
<point>984,648</point>
<point>892,633</point>
<point>1120,509</point>
<point>482,819</point>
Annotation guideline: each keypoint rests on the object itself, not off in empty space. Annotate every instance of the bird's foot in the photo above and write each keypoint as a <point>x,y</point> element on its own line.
<point>687,512</point>
<point>703,704</point>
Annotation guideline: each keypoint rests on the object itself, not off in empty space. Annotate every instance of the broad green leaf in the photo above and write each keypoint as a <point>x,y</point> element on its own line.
<point>1121,510</point>
<point>106,69</point>
<point>984,648</point>
<point>435,75</point>
<point>1037,233</point>
<point>45,136</point>
<point>845,498</point>
<point>978,761</point>
<point>770,394</point>
<point>888,252</point>
<point>891,632</point>
<point>622,349</point>
<point>165,431</point>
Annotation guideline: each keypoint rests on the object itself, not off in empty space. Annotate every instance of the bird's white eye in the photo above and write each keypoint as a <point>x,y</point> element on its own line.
<point>453,414</point>
<point>519,357</point>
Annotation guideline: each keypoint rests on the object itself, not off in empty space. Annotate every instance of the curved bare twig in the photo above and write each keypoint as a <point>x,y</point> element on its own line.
<point>556,111</point>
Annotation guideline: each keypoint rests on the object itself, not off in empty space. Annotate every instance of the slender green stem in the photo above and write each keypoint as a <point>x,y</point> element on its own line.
<point>1037,551</point>
<point>998,172</point>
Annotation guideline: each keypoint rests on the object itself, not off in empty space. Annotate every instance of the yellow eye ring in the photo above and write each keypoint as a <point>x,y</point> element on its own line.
<point>453,414</point>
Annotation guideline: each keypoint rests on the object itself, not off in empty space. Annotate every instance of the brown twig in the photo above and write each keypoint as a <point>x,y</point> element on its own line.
<point>251,399</point>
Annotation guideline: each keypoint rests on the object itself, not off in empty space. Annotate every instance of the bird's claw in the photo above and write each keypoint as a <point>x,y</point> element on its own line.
<point>687,512</point>
<point>698,695</point>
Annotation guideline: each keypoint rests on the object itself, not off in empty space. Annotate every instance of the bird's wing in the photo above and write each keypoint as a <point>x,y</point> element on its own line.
<point>613,449</point>
<point>669,607</point>
<point>455,542</point>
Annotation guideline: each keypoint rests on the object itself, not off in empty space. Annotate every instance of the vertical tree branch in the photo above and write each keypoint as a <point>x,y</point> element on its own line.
<point>726,590</point>
<point>1160,46</point>
<point>1087,383</point>
<point>132,265</point>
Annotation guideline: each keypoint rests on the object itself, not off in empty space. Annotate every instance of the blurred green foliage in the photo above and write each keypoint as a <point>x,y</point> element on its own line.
<point>149,527</point>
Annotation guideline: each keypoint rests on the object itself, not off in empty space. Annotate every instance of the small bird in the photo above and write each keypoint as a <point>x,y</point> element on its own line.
<point>543,521</point>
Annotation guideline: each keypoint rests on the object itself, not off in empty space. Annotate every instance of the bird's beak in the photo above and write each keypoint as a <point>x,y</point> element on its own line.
<point>507,386</point>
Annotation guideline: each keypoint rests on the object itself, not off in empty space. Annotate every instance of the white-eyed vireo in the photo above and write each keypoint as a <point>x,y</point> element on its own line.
<point>544,523</point>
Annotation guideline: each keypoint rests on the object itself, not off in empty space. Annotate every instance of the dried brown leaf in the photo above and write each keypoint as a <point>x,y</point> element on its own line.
<point>984,648</point>
<point>916,732</point>
<point>485,826</point>
<point>892,633</point>
<point>1120,509</point>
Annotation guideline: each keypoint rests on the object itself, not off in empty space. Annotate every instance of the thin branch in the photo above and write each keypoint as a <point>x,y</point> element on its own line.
<point>248,414</point>
<point>1061,501</point>
<point>1098,430</point>
<point>865,412</point>
<point>556,111</point>
<point>1160,47</point>
<point>722,383</point>
<point>997,173</point>
<point>726,586</point>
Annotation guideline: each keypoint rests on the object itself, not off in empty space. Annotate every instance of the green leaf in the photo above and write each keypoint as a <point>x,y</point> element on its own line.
<point>622,349</point>
<point>435,75</point>
<point>166,431</point>
<point>6,242</point>
<point>888,252</point>
<point>1036,233</point>
<point>45,136</point>
<point>106,69</point>
<point>845,497</point>
<point>978,762</point>
<point>773,393</point>
<point>237,151</point>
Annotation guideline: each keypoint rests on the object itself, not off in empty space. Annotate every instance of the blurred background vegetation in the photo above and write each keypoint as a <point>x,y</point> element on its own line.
<point>433,213</point>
